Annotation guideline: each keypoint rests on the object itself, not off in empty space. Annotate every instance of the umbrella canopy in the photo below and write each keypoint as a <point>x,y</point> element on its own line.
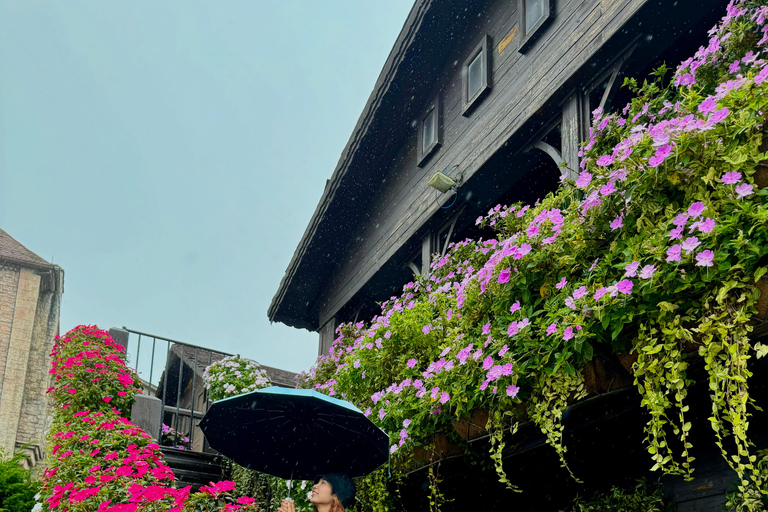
<point>295,433</point>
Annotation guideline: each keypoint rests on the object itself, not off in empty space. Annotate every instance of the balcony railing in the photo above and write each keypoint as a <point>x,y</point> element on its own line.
<point>172,371</point>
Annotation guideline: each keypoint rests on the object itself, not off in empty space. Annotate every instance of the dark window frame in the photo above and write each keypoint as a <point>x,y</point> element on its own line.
<point>531,34</point>
<point>482,49</point>
<point>434,110</point>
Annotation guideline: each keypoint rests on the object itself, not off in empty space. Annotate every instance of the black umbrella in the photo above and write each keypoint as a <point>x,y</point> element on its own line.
<point>295,434</point>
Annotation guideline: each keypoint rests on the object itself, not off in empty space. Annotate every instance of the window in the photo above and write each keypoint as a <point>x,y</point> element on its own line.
<point>429,132</point>
<point>476,75</point>
<point>534,16</point>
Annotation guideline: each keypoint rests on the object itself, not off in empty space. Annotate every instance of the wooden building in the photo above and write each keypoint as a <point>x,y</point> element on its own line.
<point>497,95</point>
<point>493,93</point>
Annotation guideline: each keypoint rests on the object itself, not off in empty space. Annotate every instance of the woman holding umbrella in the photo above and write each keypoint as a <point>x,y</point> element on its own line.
<point>332,492</point>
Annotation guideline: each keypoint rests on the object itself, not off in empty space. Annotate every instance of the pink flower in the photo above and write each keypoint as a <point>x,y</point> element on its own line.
<point>708,105</point>
<point>673,253</point>
<point>487,328</point>
<point>647,272</point>
<point>600,292</point>
<point>504,276</point>
<point>761,76</point>
<point>487,363</point>
<point>631,269</point>
<point>411,363</point>
<point>515,307</point>
<point>568,333</point>
<point>705,258</point>
<point>522,324</point>
<point>579,292</point>
<point>584,179</point>
<point>512,329</point>
<point>690,243</point>
<point>625,286</point>
<point>605,160</point>
<point>662,152</point>
<point>676,234</point>
<point>681,219</point>
<point>382,413</point>
<point>552,329</point>
<point>696,209</point>
<point>560,285</point>
<point>444,397</point>
<point>512,391</point>
<point>107,399</point>
<point>744,190</point>
<point>569,302</point>
<point>608,188</point>
<point>503,350</point>
<point>731,178</point>
<point>617,223</point>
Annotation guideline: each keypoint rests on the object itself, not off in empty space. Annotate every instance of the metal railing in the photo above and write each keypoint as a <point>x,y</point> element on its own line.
<point>191,402</point>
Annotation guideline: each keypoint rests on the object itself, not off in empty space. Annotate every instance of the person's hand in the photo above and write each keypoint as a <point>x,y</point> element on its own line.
<point>286,506</point>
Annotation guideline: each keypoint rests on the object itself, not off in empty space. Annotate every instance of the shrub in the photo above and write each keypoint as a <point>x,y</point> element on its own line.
<point>17,487</point>
<point>98,460</point>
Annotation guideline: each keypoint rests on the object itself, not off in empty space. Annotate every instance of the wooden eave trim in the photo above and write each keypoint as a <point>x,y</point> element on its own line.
<point>386,77</point>
<point>29,264</point>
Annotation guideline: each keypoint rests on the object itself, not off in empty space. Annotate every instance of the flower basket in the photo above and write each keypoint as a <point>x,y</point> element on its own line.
<point>472,427</point>
<point>440,448</point>
<point>604,373</point>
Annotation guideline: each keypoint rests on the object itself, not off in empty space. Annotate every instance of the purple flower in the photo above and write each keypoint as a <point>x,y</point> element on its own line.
<point>600,292</point>
<point>696,209</point>
<point>734,66</point>
<point>561,284</point>
<point>594,264</point>
<point>718,115</point>
<point>570,303</point>
<point>515,307</point>
<point>761,76</point>
<point>504,276</point>
<point>512,391</point>
<point>552,329</point>
<point>412,363</point>
<point>743,190</point>
<point>406,423</point>
<point>625,286</point>
<point>690,243</point>
<point>608,188</point>
<point>568,333</point>
<point>677,233</point>
<point>444,397</point>
<point>584,179</point>
<point>673,253</point>
<point>426,329</point>
<point>647,272</point>
<point>435,392</point>
<point>707,225</point>
<point>704,258</point>
<point>662,152</point>
<point>617,223</point>
<point>487,328</point>
<point>356,364</point>
<point>382,413</point>
<point>579,292</point>
<point>731,178</point>
<point>479,220</point>
<point>487,363</point>
<point>708,105</point>
<point>532,230</point>
<point>503,350</point>
<point>605,160</point>
<point>680,220</point>
<point>512,329</point>
<point>367,412</point>
<point>522,324</point>
<point>631,269</point>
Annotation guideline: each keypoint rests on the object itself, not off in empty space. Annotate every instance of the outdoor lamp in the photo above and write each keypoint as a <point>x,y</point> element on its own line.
<point>441,182</point>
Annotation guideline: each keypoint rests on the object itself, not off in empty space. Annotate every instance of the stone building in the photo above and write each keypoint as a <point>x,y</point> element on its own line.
<point>30,300</point>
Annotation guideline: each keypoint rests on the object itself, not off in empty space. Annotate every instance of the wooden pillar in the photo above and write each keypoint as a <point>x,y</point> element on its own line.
<point>426,254</point>
<point>327,335</point>
<point>571,133</point>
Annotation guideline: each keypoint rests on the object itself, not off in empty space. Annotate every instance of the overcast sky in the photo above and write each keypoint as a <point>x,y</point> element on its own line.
<point>169,155</point>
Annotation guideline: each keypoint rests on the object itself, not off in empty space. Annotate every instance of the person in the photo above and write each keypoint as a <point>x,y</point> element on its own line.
<point>332,492</point>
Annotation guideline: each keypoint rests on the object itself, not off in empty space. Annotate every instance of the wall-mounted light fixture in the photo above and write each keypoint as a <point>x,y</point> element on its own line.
<point>441,182</point>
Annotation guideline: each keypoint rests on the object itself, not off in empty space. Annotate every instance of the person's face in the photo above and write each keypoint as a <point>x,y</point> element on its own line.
<point>322,492</point>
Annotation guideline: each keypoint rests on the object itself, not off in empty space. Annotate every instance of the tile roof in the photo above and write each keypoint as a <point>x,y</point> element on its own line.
<point>205,357</point>
<point>12,250</point>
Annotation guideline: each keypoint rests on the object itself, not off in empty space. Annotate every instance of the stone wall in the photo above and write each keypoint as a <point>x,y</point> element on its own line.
<point>9,283</point>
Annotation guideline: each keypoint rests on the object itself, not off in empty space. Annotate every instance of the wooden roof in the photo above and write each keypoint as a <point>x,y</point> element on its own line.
<point>347,193</point>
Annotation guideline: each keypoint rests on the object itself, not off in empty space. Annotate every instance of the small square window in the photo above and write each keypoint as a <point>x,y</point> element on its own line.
<point>534,17</point>
<point>476,75</point>
<point>429,132</point>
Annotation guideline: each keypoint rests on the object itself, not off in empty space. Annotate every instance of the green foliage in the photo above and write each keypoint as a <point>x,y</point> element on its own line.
<point>17,487</point>
<point>643,498</point>
<point>752,498</point>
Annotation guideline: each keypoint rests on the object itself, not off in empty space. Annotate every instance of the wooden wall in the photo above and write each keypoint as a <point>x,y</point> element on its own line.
<point>521,86</point>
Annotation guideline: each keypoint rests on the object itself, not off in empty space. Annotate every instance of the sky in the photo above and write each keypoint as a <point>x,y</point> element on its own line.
<point>169,155</point>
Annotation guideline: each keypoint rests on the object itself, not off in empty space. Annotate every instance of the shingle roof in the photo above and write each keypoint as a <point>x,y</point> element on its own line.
<point>13,251</point>
<point>205,357</point>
